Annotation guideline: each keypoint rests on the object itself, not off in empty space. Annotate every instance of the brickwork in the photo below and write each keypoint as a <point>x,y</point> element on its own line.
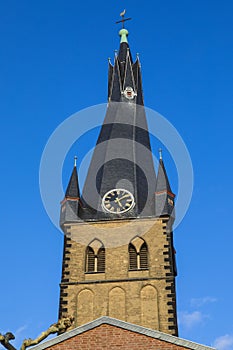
<point>143,297</point>
<point>110,337</point>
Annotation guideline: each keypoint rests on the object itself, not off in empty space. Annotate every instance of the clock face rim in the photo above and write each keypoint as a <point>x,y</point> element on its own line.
<point>122,211</point>
<point>130,90</point>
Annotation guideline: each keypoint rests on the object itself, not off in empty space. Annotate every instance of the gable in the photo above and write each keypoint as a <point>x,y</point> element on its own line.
<point>110,337</point>
<point>110,333</point>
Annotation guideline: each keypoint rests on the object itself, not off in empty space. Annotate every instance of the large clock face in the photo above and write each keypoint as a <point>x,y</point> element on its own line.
<point>117,201</point>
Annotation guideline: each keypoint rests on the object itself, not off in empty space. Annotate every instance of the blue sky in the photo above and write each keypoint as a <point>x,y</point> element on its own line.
<point>53,63</point>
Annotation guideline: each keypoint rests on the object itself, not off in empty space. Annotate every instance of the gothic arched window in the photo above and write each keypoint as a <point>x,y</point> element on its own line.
<point>95,257</point>
<point>132,257</point>
<point>138,254</point>
<point>90,261</point>
<point>101,260</point>
<point>143,253</point>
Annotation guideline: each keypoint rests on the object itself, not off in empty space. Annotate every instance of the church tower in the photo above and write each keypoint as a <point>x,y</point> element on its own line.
<point>118,256</point>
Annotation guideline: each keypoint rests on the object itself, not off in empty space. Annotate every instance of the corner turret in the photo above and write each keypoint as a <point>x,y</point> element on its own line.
<point>70,204</point>
<point>164,197</point>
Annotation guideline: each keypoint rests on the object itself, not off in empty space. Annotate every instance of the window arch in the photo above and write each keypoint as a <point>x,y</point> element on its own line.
<point>138,254</point>
<point>90,260</point>
<point>132,257</point>
<point>143,253</point>
<point>95,257</point>
<point>101,260</point>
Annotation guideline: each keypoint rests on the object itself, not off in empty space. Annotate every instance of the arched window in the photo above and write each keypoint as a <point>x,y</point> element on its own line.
<point>101,260</point>
<point>90,260</point>
<point>95,257</point>
<point>138,254</point>
<point>143,253</point>
<point>132,257</point>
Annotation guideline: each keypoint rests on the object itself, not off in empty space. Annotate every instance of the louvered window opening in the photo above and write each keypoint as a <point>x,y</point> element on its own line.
<point>101,260</point>
<point>143,257</point>
<point>90,260</point>
<point>133,265</point>
<point>138,261</point>
<point>95,263</point>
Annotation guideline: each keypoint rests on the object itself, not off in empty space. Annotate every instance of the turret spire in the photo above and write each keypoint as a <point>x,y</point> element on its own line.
<point>162,183</point>
<point>72,190</point>
<point>71,202</point>
<point>163,193</point>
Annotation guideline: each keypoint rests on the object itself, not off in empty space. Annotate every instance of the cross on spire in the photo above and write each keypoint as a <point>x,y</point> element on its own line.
<point>123,20</point>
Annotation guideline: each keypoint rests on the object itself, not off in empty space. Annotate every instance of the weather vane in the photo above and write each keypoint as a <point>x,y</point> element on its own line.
<point>123,20</point>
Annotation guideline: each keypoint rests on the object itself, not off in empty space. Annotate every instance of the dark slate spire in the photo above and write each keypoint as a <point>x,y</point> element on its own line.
<point>122,158</point>
<point>72,190</point>
<point>162,183</point>
<point>70,204</point>
<point>163,193</point>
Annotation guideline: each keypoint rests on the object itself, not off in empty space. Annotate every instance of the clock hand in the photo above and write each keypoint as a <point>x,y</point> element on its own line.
<point>125,196</point>
<point>118,201</point>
